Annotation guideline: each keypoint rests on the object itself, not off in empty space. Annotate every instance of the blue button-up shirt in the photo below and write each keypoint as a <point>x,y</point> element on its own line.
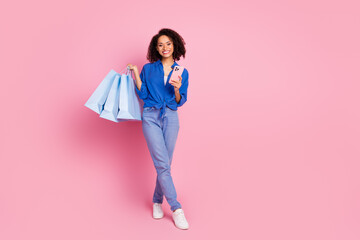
<point>154,93</point>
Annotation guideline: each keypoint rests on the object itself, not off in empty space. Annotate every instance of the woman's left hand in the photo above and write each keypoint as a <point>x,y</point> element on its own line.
<point>176,84</point>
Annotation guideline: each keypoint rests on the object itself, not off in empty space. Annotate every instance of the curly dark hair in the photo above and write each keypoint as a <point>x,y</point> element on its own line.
<point>179,45</point>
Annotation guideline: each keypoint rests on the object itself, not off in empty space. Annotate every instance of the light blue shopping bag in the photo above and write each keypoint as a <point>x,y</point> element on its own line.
<point>97,100</point>
<point>111,106</point>
<point>129,106</point>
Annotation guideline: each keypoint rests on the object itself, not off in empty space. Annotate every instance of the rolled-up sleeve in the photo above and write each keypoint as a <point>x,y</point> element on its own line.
<point>143,92</point>
<point>184,87</point>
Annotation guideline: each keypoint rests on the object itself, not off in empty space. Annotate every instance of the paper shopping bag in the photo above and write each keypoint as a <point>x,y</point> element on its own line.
<point>135,108</point>
<point>129,106</point>
<point>111,106</point>
<point>97,100</point>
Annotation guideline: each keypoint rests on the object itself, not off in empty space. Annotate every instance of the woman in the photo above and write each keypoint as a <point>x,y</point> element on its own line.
<point>160,120</point>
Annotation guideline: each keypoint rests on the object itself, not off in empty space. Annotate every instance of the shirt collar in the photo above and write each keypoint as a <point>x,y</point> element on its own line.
<point>172,66</point>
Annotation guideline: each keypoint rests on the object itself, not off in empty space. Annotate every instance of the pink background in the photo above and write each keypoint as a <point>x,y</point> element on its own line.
<point>269,138</point>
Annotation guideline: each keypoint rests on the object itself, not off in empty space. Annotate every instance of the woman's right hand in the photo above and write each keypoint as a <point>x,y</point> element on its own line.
<point>136,73</point>
<point>132,67</point>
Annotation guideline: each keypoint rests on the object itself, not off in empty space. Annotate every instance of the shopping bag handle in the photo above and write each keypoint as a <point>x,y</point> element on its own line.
<point>127,72</point>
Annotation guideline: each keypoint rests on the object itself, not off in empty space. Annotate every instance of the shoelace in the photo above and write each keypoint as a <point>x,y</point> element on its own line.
<point>180,214</point>
<point>158,207</point>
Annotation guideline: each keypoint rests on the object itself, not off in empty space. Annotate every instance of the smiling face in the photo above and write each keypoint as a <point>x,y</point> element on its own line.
<point>165,46</point>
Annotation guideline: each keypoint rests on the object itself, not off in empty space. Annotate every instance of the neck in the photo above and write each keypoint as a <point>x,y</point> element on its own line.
<point>168,61</point>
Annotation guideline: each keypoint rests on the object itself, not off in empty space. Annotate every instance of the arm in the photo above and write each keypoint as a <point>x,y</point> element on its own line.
<point>177,96</point>
<point>180,88</point>
<point>140,80</point>
<point>137,79</point>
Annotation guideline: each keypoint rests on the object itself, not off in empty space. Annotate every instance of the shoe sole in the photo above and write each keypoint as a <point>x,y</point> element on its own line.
<point>181,228</point>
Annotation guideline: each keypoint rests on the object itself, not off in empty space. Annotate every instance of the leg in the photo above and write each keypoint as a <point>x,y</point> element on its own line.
<point>158,193</point>
<point>155,140</point>
<point>170,132</point>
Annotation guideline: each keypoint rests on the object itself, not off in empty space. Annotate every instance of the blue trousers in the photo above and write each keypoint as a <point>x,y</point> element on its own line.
<point>161,133</point>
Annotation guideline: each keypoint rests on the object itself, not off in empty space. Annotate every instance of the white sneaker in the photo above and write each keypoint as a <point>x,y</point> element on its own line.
<point>179,219</point>
<point>157,211</point>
